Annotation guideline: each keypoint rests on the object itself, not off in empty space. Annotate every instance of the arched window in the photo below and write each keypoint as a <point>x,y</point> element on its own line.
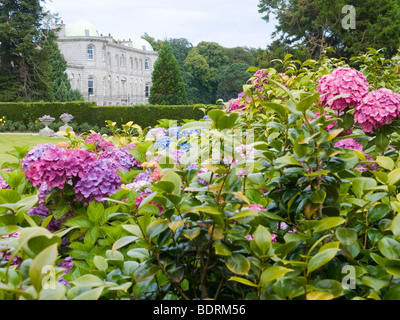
<point>147,91</point>
<point>90,52</point>
<point>91,86</point>
<point>146,64</point>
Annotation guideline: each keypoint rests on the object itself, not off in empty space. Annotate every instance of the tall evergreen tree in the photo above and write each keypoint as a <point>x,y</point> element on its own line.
<point>24,72</point>
<point>60,85</point>
<point>168,87</point>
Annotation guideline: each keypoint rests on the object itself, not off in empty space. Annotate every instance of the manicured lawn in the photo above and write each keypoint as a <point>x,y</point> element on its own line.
<point>8,141</point>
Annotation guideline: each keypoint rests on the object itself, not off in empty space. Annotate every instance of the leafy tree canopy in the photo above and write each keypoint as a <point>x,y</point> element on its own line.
<point>318,24</point>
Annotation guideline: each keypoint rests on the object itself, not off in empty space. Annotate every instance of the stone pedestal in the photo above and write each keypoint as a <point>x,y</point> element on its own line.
<point>66,126</point>
<point>46,131</point>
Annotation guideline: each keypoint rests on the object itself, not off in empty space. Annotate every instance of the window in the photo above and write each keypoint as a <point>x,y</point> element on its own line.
<point>90,52</point>
<point>91,86</point>
<point>147,90</point>
<point>146,64</point>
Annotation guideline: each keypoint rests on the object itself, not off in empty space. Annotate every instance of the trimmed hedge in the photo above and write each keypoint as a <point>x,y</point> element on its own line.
<point>89,112</point>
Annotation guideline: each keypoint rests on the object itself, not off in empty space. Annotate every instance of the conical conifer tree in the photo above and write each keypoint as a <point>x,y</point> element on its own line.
<point>168,87</point>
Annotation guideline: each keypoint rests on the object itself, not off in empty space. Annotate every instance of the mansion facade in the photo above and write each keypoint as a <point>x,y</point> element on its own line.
<point>104,70</point>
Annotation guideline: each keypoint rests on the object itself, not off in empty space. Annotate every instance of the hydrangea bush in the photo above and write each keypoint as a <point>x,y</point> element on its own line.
<point>289,192</point>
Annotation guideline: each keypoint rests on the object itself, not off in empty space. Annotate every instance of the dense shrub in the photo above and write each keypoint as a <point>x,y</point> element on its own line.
<point>280,196</point>
<point>88,112</point>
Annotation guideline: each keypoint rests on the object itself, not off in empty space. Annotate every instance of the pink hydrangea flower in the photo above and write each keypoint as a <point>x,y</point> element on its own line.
<point>257,207</point>
<point>352,144</point>
<point>342,81</point>
<point>100,144</point>
<point>349,143</point>
<point>239,103</point>
<point>378,108</point>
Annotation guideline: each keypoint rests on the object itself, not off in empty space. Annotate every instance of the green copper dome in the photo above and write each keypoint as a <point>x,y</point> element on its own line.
<point>81,28</point>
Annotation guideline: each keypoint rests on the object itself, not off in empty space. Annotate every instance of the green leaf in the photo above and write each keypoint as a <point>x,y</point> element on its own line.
<point>330,286</point>
<point>321,259</point>
<point>273,273</point>
<point>79,221</point>
<point>385,162</point>
<point>191,234</point>
<point>134,229</point>
<point>243,281</point>
<point>9,196</point>
<point>378,212</point>
<point>346,236</point>
<point>88,280</point>
<point>389,247</point>
<point>361,184</point>
<point>145,272</point>
<point>55,293</point>
<point>307,102</point>
<point>318,196</point>
<point>396,225</point>
<point>393,267</point>
<point>394,177</point>
<point>238,264</point>
<point>44,259</point>
<point>328,223</point>
<point>319,295</point>
<point>156,227</point>
<point>95,211</point>
<point>123,287</point>
<point>373,283</point>
<point>280,109</point>
<point>287,160</point>
<point>138,253</point>
<point>100,263</point>
<point>221,249</point>
<point>262,238</point>
<point>93,294</point>
<point>122,242</point>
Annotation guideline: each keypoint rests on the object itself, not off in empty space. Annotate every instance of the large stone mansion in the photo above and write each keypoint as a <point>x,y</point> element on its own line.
<point>105,70</point>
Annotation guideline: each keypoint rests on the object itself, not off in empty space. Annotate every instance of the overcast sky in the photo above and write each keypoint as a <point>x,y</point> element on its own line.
<point>230,23</point>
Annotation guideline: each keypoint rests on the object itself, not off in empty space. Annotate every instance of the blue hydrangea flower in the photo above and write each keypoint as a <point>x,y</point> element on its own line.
<point>185,146</point>
<point>188,133</point>
<point>156,133</point>
<point>174,132</point>
<point>163,142</point>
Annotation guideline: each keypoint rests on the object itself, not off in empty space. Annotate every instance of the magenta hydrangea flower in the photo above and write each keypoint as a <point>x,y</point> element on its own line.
<point>349,143</point>
<point>99,180</point>
<point>257,207</point>
<point>378,108</point>
<point>342,81</point>
<point>3,183</point>
<point>120,158</point>
<point>238,103</point>
<point>57,165</point>
<point>259,78</point>
<point>352,144</point>
<point>100,144</point>
<point>35,154</point>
